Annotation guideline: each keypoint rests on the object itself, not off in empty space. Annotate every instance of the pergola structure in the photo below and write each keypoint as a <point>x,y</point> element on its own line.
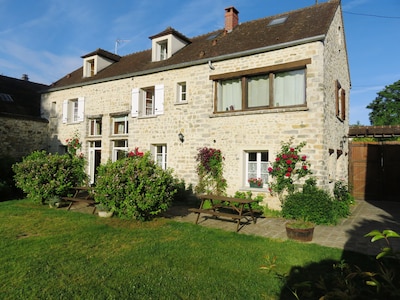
<point>375,131</point>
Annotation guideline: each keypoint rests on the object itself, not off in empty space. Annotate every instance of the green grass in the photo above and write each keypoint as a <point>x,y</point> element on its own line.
<point>57,254</point>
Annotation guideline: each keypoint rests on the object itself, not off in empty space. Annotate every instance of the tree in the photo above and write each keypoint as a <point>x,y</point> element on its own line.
<point>386,107</point>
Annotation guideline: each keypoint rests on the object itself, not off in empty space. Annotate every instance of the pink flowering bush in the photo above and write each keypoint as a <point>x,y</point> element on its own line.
<point>289,166</point>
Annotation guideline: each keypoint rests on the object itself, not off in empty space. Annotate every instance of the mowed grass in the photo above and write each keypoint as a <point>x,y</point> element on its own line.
<point>57,254</point>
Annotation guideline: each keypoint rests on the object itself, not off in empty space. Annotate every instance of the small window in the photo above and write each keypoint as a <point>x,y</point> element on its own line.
<point>182,92</point>
<point>95,127</point>
<point>73,110</point>
<point>53,109</point>
<point>120,149</point>
<point>340,99</point>
<point>120,125</point>
<point>160,155</point>
<point>162,50</point>
<point>256,166</point>
<point>148,101</point>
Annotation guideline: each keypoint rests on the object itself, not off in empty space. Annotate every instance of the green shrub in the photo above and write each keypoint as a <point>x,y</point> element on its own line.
<point>135,187</point>
<point>42,176</point>
<point>312,204</point>
<point>343,199</point>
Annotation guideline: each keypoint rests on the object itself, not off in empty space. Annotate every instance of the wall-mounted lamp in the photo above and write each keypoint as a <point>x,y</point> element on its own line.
<point>210,65</point>
<point>181,137</point>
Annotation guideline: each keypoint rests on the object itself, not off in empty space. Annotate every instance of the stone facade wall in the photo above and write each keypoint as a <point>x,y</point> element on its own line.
<point>234,132</point>
<point>21,136</point>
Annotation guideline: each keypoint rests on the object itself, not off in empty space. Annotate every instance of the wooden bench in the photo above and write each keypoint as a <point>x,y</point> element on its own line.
<point>83,195</point>
<point>219,204</point>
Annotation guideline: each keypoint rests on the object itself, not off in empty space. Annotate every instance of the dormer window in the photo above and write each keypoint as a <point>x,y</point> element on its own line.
<point>96,61</point>
<point>166,44</point>
<point>163,50</point>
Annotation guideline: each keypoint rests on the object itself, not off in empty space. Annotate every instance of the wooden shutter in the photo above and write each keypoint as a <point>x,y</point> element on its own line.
<point>159,99</point>
<point>81,109</point>
<point>135,103</point>
<point>65,112</point>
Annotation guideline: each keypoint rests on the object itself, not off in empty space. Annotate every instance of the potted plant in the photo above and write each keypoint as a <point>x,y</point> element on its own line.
<point>300,230</point>
<point>104,210</point>
<point>255,182</point>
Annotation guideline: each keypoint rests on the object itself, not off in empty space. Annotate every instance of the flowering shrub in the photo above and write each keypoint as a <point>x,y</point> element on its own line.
<point>210,171</point>
<point>42,176</point>
<point>135,153</point>
<point>288,167</point>
<point>135,187</point>
<point>73,144</point>
<point>256,181</point>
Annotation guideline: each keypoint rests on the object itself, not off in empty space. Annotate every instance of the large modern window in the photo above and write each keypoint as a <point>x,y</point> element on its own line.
<point>256,165</point>
<point>120,149</point>
<point>95,127</point>
<point>340,98</point>
<point>268,87</point>
<point>160,155</point>
<point>120,125</point>
<point>148,101</point>
<point>73,110</point>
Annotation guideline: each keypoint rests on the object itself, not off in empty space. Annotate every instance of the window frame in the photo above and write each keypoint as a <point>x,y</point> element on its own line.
<point>340,101</point>
<point>259,171</point>
<point>163,153</point>
<point>73,110</point>
<point>182,92</point>
<point>95,125</point>
<point>243,76</point>
<point>116,150</point>
<point>138,108</point>
<point>118,120</point>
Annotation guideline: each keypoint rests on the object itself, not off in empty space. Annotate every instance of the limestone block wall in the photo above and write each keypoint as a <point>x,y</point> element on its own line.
<point>21,136</point>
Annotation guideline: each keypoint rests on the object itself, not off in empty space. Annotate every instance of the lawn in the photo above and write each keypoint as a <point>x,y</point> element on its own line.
<point>57,254</point>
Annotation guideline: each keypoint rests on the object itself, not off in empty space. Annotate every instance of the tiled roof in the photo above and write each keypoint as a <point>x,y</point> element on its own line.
<point>300,25</point>
<point>20,97</point>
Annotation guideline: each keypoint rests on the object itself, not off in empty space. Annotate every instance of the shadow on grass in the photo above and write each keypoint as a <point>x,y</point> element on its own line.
<point>348,278</point>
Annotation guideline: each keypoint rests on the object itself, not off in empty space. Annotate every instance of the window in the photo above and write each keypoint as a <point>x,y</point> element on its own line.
<point>53,109</point>
<point>261,88</point>
<point>148,101</point>
<point>340,95</point>
<point>162,50</point>
<point>160,155</point>
<point>120,125</point>
<point>120,149</point>
<point>256,165</point>
<point>95,127</point>
<point>73,110</point>
<point>181,92</point>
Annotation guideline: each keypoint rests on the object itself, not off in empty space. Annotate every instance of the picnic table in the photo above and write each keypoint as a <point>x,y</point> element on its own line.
<point>82,194</point>
<point>227,207</point>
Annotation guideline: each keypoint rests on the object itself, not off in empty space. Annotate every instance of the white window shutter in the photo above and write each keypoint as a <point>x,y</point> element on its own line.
<point>81,109</point>
<point>159,99</point>
<point>135,103</point>
<point>65,112</point>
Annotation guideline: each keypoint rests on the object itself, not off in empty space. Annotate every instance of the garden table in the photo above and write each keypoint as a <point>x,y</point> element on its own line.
<point>83,194</point>
<point>228,207</point>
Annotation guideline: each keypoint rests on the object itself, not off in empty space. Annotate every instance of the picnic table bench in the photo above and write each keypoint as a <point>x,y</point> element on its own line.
<point>227,207</point>
<point>82,194</point>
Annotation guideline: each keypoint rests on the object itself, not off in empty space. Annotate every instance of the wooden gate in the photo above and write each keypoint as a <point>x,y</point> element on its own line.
<point>373,170</point>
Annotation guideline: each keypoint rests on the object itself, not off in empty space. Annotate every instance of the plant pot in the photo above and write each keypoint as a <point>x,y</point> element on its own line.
<point>105,214</point>
<point>255,185</point>
<point>300,234</point>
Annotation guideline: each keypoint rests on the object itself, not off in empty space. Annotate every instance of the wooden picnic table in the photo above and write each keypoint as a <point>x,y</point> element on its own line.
<point>228,207</point>
<point>82,194</point>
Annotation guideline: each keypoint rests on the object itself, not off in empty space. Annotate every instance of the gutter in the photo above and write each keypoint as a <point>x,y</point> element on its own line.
<point>198,62</point>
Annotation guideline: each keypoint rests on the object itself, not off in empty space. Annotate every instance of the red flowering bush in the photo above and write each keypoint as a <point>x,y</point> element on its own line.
<point>289,166</point>
<point>210,171</point>
<point>73,144</point>
<point>135,153</point>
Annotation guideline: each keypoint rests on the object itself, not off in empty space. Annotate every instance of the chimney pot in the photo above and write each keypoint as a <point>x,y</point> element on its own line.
<point>25,77</point>
<point>231,18</point>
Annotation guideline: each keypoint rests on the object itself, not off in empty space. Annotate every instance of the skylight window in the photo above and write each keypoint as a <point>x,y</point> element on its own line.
<point>6,97</point>
<point>278,21</point>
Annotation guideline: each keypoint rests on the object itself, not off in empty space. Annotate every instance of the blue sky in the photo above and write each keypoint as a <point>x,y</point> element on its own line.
<point>46,38</point>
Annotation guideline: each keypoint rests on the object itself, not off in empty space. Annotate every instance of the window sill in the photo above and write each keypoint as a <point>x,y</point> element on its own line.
<point>258,111</point>
<point>147,117</point>
<point>247,188</point>
<point>181,103</point>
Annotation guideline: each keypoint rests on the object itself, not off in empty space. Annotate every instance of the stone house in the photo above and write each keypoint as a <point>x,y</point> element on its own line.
<point>242,89</point>
<point>22,129</point>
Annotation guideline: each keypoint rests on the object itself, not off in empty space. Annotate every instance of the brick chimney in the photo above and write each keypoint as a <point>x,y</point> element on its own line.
<point>231,18</point>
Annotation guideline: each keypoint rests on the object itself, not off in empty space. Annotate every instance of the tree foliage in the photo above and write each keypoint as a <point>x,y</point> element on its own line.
<point>386,106</point>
